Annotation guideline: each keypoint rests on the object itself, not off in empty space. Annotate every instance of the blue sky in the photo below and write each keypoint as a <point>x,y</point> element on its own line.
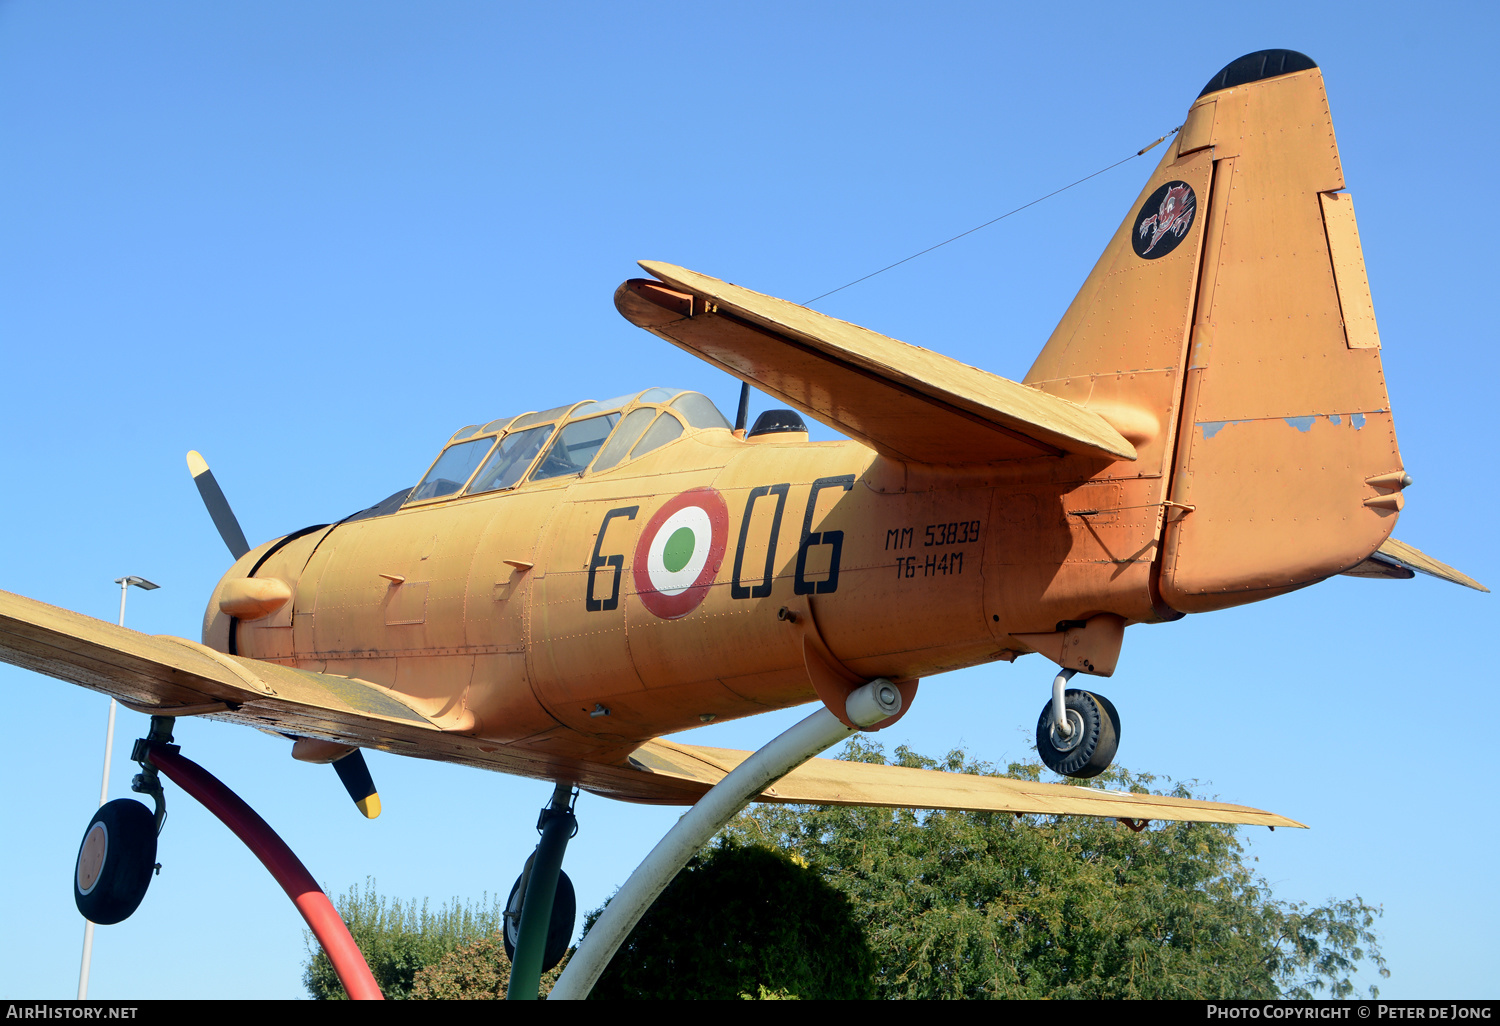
<point>312,239</point>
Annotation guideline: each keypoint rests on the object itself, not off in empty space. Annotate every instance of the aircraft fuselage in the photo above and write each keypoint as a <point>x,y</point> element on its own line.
<point>529,617</point>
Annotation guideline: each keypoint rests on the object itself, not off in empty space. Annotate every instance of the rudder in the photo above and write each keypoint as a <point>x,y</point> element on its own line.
<point>1227,332</point>
<point>1285,446</point>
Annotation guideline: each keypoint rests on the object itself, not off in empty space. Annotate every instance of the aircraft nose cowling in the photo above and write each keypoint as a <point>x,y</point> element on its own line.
<point>251,598</point>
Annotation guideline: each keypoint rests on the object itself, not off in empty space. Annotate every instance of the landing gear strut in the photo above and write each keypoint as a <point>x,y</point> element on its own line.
<point>122,846</point>
<point>539,915</point>
<point>1079,732</point>
<point>118,854</point>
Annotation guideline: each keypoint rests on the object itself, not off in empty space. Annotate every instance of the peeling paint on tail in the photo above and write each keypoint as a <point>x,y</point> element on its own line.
<point>1281,335</point>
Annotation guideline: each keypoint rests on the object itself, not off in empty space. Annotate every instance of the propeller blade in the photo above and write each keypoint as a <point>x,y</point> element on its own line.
<point>218,506</point>
<point>358,782</point>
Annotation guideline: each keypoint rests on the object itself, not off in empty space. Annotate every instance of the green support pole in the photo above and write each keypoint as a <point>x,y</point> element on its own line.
<point>557,826</point>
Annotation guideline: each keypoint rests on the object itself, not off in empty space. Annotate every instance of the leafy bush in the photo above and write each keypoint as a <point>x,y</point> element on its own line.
<point>398,939</point>
<point>962,904</point>
<point>742,922</point>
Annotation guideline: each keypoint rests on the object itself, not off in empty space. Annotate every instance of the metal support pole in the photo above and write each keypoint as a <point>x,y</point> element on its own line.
<point>273,853</point>
<point>558,825</point>
<point>872,703</point>
<point>109,750</point>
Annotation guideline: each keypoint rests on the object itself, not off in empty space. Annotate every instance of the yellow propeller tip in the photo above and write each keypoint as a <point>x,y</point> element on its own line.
<point>197,465</point>
<point>369,806</point>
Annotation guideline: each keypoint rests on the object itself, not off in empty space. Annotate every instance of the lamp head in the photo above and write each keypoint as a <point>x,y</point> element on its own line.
<point>139,582</point>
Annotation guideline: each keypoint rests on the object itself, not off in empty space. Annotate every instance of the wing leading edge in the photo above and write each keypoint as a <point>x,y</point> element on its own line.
<point>903,401</point>
<point>177,677</point>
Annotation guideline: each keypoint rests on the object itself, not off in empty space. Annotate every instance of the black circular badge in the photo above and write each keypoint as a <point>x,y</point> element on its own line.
<point>1164,220</point>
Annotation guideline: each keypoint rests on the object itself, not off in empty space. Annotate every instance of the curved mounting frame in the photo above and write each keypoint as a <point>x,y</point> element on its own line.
<point>831,679</point>
<point>156,753</point>
<point>724,800</point>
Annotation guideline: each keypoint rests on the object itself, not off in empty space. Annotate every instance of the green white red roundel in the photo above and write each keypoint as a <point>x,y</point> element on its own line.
<point>680,551</point>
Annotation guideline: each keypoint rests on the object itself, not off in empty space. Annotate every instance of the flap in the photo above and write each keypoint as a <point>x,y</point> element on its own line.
<point>834,782</point>
<point>903,401</point>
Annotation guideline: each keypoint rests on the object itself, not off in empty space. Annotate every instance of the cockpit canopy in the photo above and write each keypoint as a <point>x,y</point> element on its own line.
<point>586,437</point>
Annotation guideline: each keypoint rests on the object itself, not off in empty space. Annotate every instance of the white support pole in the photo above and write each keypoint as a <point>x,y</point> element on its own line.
<point>109,751</point>
<point>872,703</point>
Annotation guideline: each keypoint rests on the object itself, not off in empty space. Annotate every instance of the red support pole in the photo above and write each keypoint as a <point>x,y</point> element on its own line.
<point>288,870</point>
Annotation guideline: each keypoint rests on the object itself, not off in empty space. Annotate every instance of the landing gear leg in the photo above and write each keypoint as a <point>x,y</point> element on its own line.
<point>1078,732</point>
<point>118,853</point>
<point>539,914</point>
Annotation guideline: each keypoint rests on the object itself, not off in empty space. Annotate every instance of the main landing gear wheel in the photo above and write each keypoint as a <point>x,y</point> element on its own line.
<point>1090,746</point>
<point>115,862</point>
<point>559,930</point>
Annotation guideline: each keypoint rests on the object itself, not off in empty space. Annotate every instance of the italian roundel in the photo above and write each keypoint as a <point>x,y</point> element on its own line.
<point>680,551</point>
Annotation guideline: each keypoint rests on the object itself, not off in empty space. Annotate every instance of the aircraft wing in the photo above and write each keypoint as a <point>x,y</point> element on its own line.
<point>175,676</point>
<point>834,782</point>
<point>164,675</point>
<point>171,676</point>
<point>901,400</point>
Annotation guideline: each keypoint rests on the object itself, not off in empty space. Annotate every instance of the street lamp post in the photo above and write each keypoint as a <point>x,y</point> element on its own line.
<point>109,747</point>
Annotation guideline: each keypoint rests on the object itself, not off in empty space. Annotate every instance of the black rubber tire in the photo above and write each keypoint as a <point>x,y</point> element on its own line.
<point>559,931</point>
<point>1101,736</point>
<point>112,885</point>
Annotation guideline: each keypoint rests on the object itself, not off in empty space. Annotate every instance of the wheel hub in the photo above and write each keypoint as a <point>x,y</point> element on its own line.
<point>91,858</point>
<point>1075,732</point>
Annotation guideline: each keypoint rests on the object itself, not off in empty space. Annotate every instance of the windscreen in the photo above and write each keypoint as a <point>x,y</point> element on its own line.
<point>512,456</point>
<point>452,469</point>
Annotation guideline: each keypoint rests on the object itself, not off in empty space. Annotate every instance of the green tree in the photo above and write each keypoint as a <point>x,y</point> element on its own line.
<point>958,904</point>
<point>742,922</point>
<point>478,971</point>
<point>398,940</point>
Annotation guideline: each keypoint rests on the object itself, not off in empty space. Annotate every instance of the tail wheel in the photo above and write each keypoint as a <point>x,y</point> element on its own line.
<point>115,862</point>
<point>1090,745</point>
<point>559,931</point>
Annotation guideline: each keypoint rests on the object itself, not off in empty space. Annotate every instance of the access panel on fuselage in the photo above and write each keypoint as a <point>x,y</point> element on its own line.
<point>390,605</point>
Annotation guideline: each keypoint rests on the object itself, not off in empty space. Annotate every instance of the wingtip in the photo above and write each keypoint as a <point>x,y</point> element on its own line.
<point>1415,559</point>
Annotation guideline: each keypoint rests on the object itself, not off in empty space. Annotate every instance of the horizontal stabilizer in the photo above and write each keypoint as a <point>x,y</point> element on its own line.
<point>834,782</point>
<point>1400,560</point>
<point>903,401</point>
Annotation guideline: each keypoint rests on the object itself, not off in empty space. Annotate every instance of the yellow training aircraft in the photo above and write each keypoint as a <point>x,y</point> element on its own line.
<point>1207,426</point>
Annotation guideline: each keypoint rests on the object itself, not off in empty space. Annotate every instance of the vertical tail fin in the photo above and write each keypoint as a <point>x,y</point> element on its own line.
<point>1231,314</point>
